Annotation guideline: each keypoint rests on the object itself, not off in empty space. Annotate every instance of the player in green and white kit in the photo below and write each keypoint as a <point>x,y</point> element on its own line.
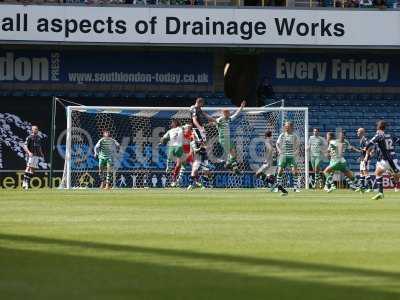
<point>317,147</point>
<point>287,146</point>
<point>106,149</point>
<point>225,139</point>
<point>336,150</point>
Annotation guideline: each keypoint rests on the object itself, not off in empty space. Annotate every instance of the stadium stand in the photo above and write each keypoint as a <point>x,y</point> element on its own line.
<point>348,111</point>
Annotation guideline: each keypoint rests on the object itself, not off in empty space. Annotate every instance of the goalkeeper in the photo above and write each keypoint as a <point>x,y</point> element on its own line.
<point>106,150</point>
<point>224,137</point>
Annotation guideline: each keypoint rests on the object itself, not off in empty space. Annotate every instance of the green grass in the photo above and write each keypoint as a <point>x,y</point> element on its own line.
<point>214,244</point>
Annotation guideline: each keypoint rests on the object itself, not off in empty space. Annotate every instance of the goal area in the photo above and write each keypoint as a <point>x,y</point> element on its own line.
<point>141,161</point>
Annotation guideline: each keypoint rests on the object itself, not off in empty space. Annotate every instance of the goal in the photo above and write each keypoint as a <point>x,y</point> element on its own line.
<point>142,161</point>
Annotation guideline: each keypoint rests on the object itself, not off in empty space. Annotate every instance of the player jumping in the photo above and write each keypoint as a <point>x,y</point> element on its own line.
<point>336,150</point>
<point>317,147</point>
<point>225,139</point>
<point>33,148</point>
<point>386,156</point>
<point>199,118</point>
<point>287,146</point>
<point>106,149</point>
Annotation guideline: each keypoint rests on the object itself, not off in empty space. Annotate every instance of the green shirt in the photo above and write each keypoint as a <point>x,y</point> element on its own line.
<point>317,144</point>
<point>337,149</point>
<point>106,148</point>
<point>288,143</point>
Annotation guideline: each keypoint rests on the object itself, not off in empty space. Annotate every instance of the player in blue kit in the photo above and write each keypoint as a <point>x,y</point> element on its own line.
<point>386,156</point>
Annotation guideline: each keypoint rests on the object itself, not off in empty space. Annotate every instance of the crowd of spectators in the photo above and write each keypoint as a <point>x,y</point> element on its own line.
<point>134,2</point>
<point>312,3</point>
<point>366,3</point>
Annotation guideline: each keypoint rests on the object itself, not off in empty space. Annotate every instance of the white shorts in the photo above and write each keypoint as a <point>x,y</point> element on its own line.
<point>364,166</point>
<point>384,164</point>
<point>33,162</point>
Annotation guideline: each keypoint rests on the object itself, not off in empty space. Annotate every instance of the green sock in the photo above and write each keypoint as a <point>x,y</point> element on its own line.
<point>279,180</point>
<point>317,178</point>
<point>329,180</point>
<point>295,182</point>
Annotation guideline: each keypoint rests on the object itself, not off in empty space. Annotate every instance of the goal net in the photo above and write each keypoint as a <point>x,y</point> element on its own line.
<point>142,162</point>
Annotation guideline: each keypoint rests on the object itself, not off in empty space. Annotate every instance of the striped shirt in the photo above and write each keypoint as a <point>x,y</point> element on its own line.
<point>337,149</point>
<point>317,144</point>
<point>106,148</point>
<point>197,112</point>
<point>288,143</point>
<point>34,144</point>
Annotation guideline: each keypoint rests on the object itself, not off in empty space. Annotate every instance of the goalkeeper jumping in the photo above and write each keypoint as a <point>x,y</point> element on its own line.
<point>106,150</point>
<point>224,137</point>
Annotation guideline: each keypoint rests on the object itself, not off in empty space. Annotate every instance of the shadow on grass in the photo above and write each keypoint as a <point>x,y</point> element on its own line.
<point>28,274</point>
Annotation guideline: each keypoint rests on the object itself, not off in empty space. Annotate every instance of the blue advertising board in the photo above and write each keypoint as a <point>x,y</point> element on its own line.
<point>332,69</point>
<point>106,67</point>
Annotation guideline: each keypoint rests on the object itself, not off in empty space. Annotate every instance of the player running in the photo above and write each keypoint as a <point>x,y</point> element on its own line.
<point>106,149</point>
<point>386,156</point>
<point>336,150</point>
<point>225,139</point>
<point>287,145</point>
<point>33,148</point>
<point>365,179</point>
<point>317,147</point>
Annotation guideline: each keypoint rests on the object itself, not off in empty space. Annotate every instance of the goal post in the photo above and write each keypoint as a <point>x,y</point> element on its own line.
<point>142,161</point>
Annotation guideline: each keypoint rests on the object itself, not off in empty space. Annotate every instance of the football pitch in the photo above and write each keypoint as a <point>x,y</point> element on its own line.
<point>202,244</point>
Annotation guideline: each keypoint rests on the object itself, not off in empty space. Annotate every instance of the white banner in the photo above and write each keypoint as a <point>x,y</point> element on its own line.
<point>212,26</point>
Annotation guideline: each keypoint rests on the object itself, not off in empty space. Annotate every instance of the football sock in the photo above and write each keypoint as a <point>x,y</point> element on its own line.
<point>279,180</point>
<point>175,172</point>
<point>108,177</point>
<point>368,182</point>
<point>329,180</point>
<point>379,183</point>
<point>27,178</point>
<point>362,181</point>
<point>295,182</point>
<point>180,175</point>
<point>317,178</point>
